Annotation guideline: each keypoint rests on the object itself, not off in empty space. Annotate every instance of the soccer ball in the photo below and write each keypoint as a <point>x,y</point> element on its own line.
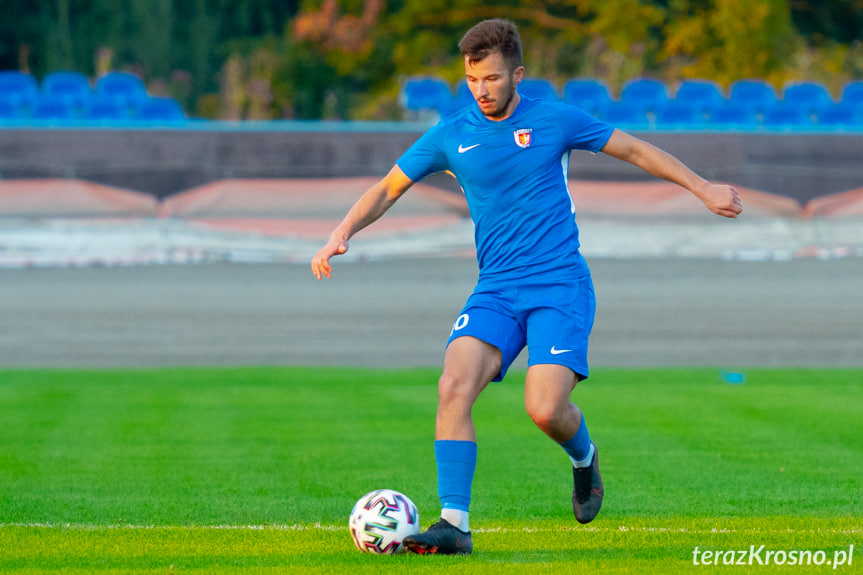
<point>381,519</point>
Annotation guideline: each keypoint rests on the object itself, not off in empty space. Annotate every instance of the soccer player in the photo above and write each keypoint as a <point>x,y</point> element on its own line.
<point>510,154</point>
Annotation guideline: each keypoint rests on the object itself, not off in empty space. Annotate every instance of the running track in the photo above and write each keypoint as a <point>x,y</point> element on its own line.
<point>651,312</point>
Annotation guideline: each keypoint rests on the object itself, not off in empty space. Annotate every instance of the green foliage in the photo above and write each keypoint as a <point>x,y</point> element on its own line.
<point>825,21</point>
<point>719,42</point>
<point>177,46</point>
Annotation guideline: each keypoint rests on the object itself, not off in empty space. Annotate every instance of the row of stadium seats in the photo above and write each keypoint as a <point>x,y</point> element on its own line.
<point>648,103</point>
<point>69,97</point>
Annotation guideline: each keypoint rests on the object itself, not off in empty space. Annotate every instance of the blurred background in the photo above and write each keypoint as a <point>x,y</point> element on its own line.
<point>349,59</point>
<point>140,133</point>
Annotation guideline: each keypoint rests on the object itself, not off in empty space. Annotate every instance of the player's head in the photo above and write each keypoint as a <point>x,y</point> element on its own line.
<point>492,36</point>
<point>493,65</point>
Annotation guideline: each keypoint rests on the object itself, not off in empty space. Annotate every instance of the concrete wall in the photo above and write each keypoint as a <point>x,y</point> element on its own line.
<point>166,161</point>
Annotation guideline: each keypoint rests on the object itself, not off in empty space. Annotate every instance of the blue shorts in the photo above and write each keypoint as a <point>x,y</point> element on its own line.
<point>551,316</point>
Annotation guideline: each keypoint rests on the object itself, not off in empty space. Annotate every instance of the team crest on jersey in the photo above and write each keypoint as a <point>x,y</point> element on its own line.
<point>523,137</point>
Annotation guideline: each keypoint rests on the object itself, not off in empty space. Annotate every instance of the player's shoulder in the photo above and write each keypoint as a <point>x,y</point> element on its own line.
<point>456,121</point>
<point>552,108</point>
<point>563,118</point>
<point>462,115</point>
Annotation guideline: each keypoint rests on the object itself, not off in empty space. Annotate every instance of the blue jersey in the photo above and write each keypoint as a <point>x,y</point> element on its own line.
<point>514,176</point>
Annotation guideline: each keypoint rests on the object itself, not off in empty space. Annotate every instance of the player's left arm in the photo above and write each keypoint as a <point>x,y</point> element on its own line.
<point>721,199</point>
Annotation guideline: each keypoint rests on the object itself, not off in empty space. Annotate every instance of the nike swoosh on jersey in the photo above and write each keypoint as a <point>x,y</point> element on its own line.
<point>462,149</point>
<point>559,351</point>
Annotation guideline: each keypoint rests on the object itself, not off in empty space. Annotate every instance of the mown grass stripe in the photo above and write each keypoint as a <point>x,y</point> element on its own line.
<point>254,470</point>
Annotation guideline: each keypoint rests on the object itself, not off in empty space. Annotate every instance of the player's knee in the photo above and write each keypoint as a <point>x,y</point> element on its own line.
<point>454,388</point>
<point>545,415</point>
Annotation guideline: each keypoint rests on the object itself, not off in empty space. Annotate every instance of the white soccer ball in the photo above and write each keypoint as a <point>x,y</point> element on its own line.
<point>381,519</point>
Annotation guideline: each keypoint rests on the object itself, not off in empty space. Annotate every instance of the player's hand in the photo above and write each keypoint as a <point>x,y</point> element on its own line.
<point>721,199</point>
<point>321,262</point>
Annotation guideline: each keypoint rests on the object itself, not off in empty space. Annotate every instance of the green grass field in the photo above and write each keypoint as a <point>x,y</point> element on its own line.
<point>255,470</point>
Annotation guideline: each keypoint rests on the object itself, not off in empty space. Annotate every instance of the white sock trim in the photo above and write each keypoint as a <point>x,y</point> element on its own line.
<point>586,461</point>
<point>457,518</point>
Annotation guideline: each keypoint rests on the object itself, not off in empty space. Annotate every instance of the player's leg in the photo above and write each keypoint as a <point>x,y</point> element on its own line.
<point>469,365</point>
<point>547,391</point>
<point>558,329</point>
<point>547,400</point>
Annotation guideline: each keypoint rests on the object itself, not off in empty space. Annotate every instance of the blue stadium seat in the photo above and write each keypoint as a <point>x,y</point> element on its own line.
<point>9,111</point>
<point>124,88</point>
<point>811,96</point>
<point>71,87</point>
<point>463,95</point>
<point>107,110</point>
<point>161,109</point>
<point>788,116</point>
<point>427,93</point>
<point>681,115</point>
<point>702,94</point>
<point>621,115</point>
<point>757,95</point>
<point>645,94</point>
<point>56,109</point>
<point>539,88</point>
<point>588,94</point>
<point>19,91</point>
<point>842,115</point>
<point>736,116</point>
<point>852,93</point>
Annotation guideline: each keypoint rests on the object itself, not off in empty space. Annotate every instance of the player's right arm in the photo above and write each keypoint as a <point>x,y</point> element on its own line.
<point>371,206</point>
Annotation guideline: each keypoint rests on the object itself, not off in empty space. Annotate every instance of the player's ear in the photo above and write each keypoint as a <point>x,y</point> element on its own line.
<point>518,75</point>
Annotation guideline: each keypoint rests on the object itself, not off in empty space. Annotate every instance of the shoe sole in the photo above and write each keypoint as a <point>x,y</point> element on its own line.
<point>424,549</point>
<point>420,549</point>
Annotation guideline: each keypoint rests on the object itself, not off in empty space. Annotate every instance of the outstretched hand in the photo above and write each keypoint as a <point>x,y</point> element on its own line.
<point>321,262</point>
<point>721,199</point>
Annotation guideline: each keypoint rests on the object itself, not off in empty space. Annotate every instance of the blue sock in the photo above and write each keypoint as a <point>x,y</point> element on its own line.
<point>456,462</point>
<point>578,446</point>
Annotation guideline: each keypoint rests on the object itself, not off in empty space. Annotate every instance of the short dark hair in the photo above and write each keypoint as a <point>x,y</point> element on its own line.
<point>490,36</point>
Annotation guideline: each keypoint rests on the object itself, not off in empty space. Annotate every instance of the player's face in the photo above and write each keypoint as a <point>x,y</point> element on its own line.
<point>492,84</point>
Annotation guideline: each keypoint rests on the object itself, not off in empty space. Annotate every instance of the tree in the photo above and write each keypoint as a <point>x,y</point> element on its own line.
<point>824,21</point>
<point>728,40</point>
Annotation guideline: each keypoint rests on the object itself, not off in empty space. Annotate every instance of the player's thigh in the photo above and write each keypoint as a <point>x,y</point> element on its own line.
<point>469,365</point>
<point>492,325</point>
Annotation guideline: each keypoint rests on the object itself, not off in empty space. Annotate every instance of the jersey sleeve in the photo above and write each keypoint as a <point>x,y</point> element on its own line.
<point>583,131</point>
<point>425,156</point>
